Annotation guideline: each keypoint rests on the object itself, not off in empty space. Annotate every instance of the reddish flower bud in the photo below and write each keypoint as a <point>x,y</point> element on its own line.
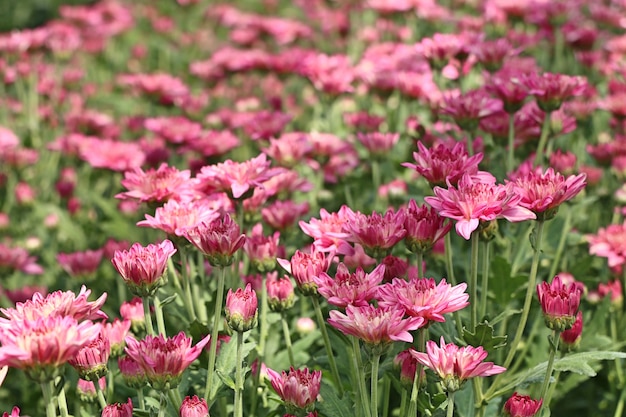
<point>559,303</point>
<point>194,407</point>
<point>241,309</point>
<point>521,406</point>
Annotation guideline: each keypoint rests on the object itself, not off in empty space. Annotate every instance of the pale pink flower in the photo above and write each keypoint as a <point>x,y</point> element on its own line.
<point>375,325</point>
<point>454,365</point>
<point>86,390</point>
<point>348,288</point>
<point>218,240</point>
<point>8,139</point>
<point>289,149</point>
<point>304,267</point>
<point>329,231</point>
<point>241,309</point>
<point>164,359</point>
<point>299,388</point>
<point>175,129</point>
<point>174,217</point>
<point>194,407</point>
<point>157,185</point>
<point>424,227</point>
<point>111,154</point>
<point>133,310</point>
<point>142,268</point>
<point>116,333</point>
<point>522,406</point>
<point>262,250</point>
<point>612,288</point>
<point>80,264</point>
<point>118,409</point>
<point>423,297</point>
<point>377,233</point>
<point>163,88</point>
<point>477,200</point>
<point>280,292</point>
<point>610,243</point>
<point>543,192</point>
<point>559,303</point>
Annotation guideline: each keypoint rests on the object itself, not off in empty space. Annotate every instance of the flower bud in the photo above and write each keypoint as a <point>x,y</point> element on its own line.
<point>521,406</point>
<point>241,309</point>
<point>280,294</point>
<point>194,407</point>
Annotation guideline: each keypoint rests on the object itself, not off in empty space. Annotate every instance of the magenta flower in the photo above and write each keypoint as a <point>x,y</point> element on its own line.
<point>559,303</point>
<point>132,372</point>
<point>304,267</point>
<point>570,338</point>
<point>17,259</point>
<point>407,365</point>
<point>280,292</point>
<point>543,192</point>
<point>377,233</point>
<point>241,309</point>
<point>164,359</point>
<point>466,109</point>
<point>422,297</point>
<point>552,89</point>
<point>329,231</point>
<point>157,185</point>
<point>443,163</point>
<point>118,409</point>
<point>348,288</point>
<point>15,412</point>
<point>298,389</point>
<point>142,268</point>
<point>610,243</point>
<point>478,200</point>
<point>375,325</point>
<point>218,240</point>
<point>507,86</point>
<point>262,250</point>
<point>424,227</point>
<point>194,407</point>
<point>80,264</point>
<point>91,360</point>
<point>175,217</point>
<point>454,365</point>
<point>521,406</point>
<point>378,143</point>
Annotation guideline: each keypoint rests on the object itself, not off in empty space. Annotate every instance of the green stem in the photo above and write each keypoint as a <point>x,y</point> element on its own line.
<point>473,278</point>
<point>141,399</point>
<point>403,403</point>
<point>450,412</point>
<point>420,263</point>
<point>543,139</point>
<point>485,280</point>
<point>162,405</point>
<point>618,361</point>
<point>188,299</point>
<point>62,400</point>
<point>510,162</point>
<point>386,395</point>
<point>46,388</point>
<point>101,400</point>
<point>374,385</point>
<point>217,316</point>
<point>158,309</point>
<point>148,316</point>
<point>546,382</point>
<point>263,328</point>
<point>450,270</point>
<point>619,409</point>
<point>239,377</point>
<point>329,351</point>
<point>559,251</point>
<point>417,379</point>
<point>358,364</point>
<point>287,336</point>
<point>174,397</point>
<point>376,180</point>
<point>546,401</point>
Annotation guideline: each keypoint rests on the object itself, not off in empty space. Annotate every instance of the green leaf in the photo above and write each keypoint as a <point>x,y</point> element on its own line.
<point>226,362</point>
<point>464,401</point>
<point>483,336</point>
<point>331,404</point>
<point>168,300</point>
<point>502,284</point>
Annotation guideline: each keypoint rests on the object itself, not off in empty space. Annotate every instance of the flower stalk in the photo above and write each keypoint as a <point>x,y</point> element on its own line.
<point>287,336</point>
<point>329,350</point>
<point>543,140</point>
<point>473,283</point>
<point>239,377</point>
<point>101,398</point>
<point>358,364</point>
<point>217,315</point>
<point>554,343</point>
<point>158,310</point>
<point>374,383</point>
<point>510,161</point>
<point>148,315</point>
<point>46,388</point>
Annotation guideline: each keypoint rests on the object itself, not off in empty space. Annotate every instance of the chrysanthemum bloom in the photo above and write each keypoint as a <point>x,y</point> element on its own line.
<point>86,390</point>
<point>443,163</point>
<point>304,266</point>
<point>424,227</point>
<point>423,297</point>
<point>42,346</point>
<point>329,232</point>
<point>91,361</point>
<point>378,144</point>
<point>118,409</point>
<point>299,388</point>
<point>80,264</point>
<point>116,333</point>
<point>552,89</point>
<point>407,365</point>
<point>56,304</point>
<point>521,406</point>
<point>14,413</point>
<point>194,407</point>
<point>218,240</point>
<point>133,310</point>
<point>241,309</point>
<point>454,365</point>
<point>281,215</point>
<point>262,250</point>
<point>559,303</point>
<point>174,217</point>
<point>570,338</point>
<point>375,325</point>
<point>468,108</point>
<point>478,200</point>
<point>280,293</point>
<point>157,185</point>
<point>17,259</point>
<point>143,268</point>
<point>132,373</point>
<point>613,289</point>
<point>610,243</point>
<point>377,233</point>
<point>563,162</point>
<point>164,359</point>
<point>507,86</point>
<point>348,288</point>
<point>543,192</point>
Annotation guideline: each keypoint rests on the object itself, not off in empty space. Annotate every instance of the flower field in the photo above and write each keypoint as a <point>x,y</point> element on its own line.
<point>314,208</point>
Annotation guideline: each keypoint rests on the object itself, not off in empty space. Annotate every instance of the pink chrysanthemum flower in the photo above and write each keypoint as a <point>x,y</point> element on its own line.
<point>377,233</point>
<point>133,310</point>
<point>377,143</point>
<point>142,268</point>
<point>348,288</point>
<point>468,108</point>
<point>543,192</point>
<point>304,267</point>
<point>521,406</point>
<point>612,288</point>
<point>42,346</point>
<point>298,389</point>
<point>174,217</point>
<point>56,304</point>
<point>81,264</point>
<point>241,309</point>
<point>91,360</point>
<point>118,409</point>
<point>424,227</point>
<point>116,333</point>
<point>423,297</point>
<point>552,89</point>
<point>281,215</point>
<point>17,259</point>
<point>218,240</point>
<point>559,303</point>
<point>280,292</point>
<point>570,338</point>
<point>164,359</point>
<point>194,407</point>
<point>157,185</point>
<point>454,365</point>
<point>375,325</point>
<point>132,372</point>
<point>478,200</point>
<point>506,85</point>
<point>329,231</point>
<point>86,390</point>
<point>15,412</point>
<point>443,163</point>
<point>407,365</point>
<point>262,250</point>
<point>111,154</point>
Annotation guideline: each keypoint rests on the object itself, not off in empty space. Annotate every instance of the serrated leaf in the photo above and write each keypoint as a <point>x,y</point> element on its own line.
<point>226,362</point>
<point>226,379</point>
<point>331,404</point>
<point>483,335</point>
<point>168,300</point>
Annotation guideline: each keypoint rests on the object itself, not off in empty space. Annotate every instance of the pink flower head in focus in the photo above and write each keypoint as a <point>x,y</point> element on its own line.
<point>570,338</point>
<point>454,365</point>
<point>543,192</point>
<point>118,409</point>
<point>329,231</point>
<point>218,240</point>
<point>142,268</point>
<point>194,407</point>
<point>241,309</point>
<point>559,303</point>
<point>304,267</point>
<point>522,406</point>
<point>375,325</point>
<point>164,359</point>
<point>610,243</point>
<point>280,292</point>
<point>422,297</point>
<point>377,233</point>
<point>91,360</point>
<point>348,288</point>
<point>424,227</point>
<point>478,200</point>
<point>174,217</point>
<point>298,388</point>
<point>157,185</point>
<point>443,163</point>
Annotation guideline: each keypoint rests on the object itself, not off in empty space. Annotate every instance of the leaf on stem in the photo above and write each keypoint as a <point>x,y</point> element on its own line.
<point>483,335</point>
